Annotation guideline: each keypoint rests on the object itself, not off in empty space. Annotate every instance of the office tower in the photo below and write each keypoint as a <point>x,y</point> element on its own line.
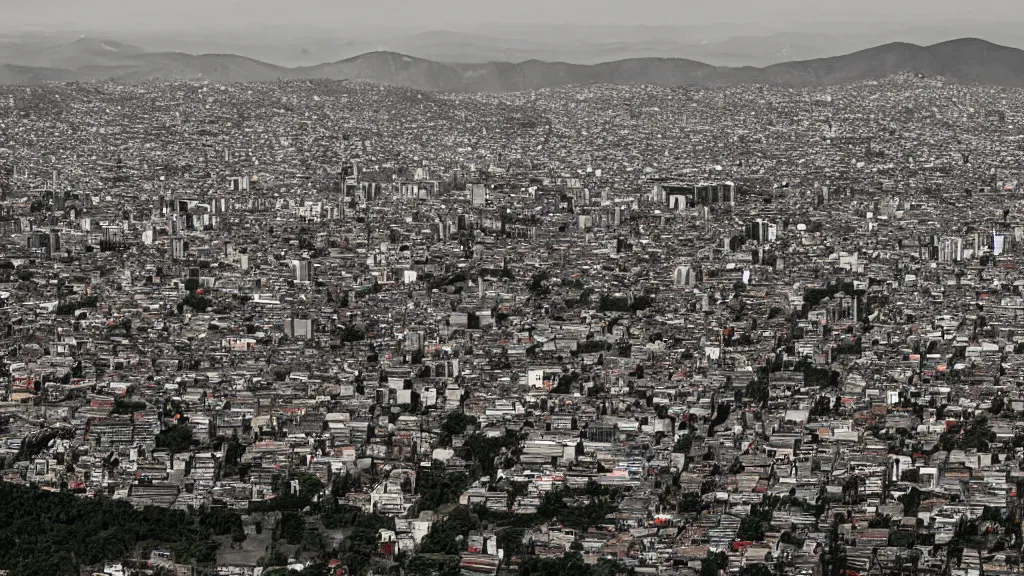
<point>998,244</point>
<point>303,270</point>
<point>53,246</point>
<point>299,328</point>
<point>414,342</point>
<point>684,277</point>
<point>178,248</point>
<point>478,194</point>
<point>238,183</point>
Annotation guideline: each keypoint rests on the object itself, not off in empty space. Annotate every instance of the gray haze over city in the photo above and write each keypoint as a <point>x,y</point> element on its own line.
<point>305,32</point>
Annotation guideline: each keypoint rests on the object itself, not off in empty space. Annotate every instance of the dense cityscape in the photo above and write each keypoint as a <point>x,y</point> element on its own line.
<point>331,327</point>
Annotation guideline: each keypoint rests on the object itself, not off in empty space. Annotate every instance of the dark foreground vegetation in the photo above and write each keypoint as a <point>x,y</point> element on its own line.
<point>52,534</point>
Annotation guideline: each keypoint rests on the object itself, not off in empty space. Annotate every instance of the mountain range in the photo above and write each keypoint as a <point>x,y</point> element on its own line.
<point>966,60</point>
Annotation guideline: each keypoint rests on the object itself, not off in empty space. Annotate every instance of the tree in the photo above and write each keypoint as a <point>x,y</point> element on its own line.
<point>683,444</point>
<point>177,438</point>
<point>820,377</point>
<point>436,487</point>
<point>455,425</point>
<point>511,541</point>
<point>691,503</point>
<point>352,333</point>
<point>997,405</point>
<point>539,283</point>
<point>758,569</point>
<point>69,308</point>
<point>291,528</point>
<point>122,406</point>
<point>752,529</point>
<point>54,533</point>
<point>273,558</point>
<point>344,516</point>
<point>713,563</point>
<point>600,503</point>
<point>911,502</point>
<point>234,451</point>
<point>198,303</point>
<point>822,407</point>
<point>485,451</point>
<point>309,484</point>
<point>446,536</point>
<point>570,564</point>
<point>912,475</point>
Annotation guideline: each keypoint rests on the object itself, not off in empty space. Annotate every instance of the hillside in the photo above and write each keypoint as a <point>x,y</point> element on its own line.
<point>27,75</point>
<point>874,62</point>
<point>89,52</point>
<point>965,60</point>
<point>222,68</point>
<point>388,68</point>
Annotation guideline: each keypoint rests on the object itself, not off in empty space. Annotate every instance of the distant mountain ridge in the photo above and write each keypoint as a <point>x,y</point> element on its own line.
<point>967,60</point>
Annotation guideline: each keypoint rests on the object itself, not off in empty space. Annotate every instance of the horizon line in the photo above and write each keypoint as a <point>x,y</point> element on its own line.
<point>519,62</point>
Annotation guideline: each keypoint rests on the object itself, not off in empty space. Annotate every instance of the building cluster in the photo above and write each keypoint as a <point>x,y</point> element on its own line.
<point>664,327</point>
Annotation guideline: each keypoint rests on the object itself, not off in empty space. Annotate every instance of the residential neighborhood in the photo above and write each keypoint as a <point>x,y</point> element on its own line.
<point>355,329</point>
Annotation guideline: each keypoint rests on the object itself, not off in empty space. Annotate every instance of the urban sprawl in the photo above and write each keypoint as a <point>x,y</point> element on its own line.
<point>341,328</point>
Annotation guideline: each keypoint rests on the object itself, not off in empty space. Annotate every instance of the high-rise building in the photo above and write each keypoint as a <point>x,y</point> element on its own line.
<point>414,342</point>
<point>679,196</point>
<point>949,249</point>
<point>684,277</point>
<point>54,243</point>
<point>998,244</point>
<point>299,328</point>
<point>238,183</point>
<point>303,270</point>
<point>178,248</point>
<point>762,231</point>
<point>47,243</point>
<point>478,194</point>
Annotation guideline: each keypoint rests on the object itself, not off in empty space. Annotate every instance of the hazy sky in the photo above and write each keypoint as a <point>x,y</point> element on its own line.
<point>164,14</point>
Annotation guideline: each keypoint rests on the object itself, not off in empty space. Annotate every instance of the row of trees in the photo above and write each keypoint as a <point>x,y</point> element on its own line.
<point>68,308</point>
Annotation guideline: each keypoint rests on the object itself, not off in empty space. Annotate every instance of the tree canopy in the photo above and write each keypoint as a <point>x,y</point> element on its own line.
<point>56,533</point>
